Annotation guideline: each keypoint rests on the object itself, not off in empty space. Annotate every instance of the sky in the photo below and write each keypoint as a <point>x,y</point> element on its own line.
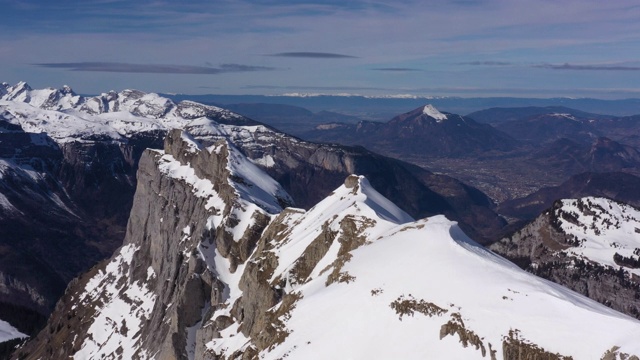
<point>468,48</point>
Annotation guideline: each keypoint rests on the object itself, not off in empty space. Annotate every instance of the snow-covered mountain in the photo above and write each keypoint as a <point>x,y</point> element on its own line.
<point>591,245</point>
<point>212,267</point>
<point>139,120</point>
<point>66,117</point>
<point>68,168</point>
<point>424,131</point>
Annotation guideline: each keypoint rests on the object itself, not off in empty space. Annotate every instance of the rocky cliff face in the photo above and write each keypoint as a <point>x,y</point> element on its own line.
<point>590,245</point>
<point>184,220</point>
<point>213,268</point>
<point>65,207</point>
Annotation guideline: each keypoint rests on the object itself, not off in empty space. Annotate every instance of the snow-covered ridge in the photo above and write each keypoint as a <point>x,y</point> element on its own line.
<point>422,286</point>
<point>431,111</point>
<point>252,185</point>
<point>601,228</point>
<point>66,116</point>
<point>357,200</point>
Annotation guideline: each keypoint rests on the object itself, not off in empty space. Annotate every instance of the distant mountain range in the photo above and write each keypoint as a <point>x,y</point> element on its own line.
<point>424,131</point>
<point>382,109</point>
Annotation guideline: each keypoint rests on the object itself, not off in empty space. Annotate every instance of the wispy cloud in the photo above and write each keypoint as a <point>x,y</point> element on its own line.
<point>314,55</point>
<point>596,67</point>
<point>396,69</point>
<point>486,63</point>
<point>153,68</point>
<point>319,88</point>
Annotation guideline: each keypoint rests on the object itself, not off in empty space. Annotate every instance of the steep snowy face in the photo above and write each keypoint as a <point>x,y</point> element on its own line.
<point>431,111</point>
<point>125,307</point>
<point>352,214</point>
<point>186,158</point>
<point>601,230</point>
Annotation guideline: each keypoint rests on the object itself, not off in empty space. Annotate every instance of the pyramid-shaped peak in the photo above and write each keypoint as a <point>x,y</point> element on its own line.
<point>358,190</point>
<point>67,90</point>
<point>22,85</point>
<point>431,111</point>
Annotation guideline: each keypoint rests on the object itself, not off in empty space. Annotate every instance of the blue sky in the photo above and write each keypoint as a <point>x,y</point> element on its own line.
<point>465,48</point>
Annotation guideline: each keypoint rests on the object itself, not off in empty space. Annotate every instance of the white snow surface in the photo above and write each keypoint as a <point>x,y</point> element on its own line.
<point>433,261</point>
<point>606,227</point>
<point>8,332</point>
<point>426,261</point>
<point>256,187</point>
<point>431,111</point>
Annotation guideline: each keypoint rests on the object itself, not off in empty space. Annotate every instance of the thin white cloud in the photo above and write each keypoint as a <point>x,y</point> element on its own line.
<point>117,67</point>
<point>587,67</point>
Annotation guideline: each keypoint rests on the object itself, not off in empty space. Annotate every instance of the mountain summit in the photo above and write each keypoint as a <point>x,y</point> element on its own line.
<point>431,111</point>
<point>424,131</point>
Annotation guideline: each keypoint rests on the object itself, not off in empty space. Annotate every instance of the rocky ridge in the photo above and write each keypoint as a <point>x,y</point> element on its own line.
<point>212,268</point>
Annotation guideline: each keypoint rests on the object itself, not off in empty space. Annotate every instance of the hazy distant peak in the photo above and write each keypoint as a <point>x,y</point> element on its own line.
<point>431,111</point>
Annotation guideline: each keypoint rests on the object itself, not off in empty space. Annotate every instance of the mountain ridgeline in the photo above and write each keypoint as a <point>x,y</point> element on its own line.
<point>212,267</point>
<point>424,131</point>
<point>68,174</point>
<point>242,242</point>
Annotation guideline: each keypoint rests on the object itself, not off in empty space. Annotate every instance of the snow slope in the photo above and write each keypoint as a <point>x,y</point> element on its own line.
<point>124,309</point>
<point>601,228</point>
<point>8,332</point>
<point>415,289</point>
